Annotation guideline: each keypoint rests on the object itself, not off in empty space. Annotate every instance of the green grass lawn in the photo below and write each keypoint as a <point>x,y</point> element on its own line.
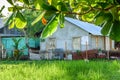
<point>60,70</point>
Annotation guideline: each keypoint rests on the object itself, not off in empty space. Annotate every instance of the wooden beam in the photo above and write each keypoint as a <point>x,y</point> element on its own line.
<point>104,43</point>
<point>97,42</point>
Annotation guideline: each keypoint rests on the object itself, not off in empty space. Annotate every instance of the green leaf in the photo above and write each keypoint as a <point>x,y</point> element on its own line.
<point>61,6</point>
<point>106,27</point>
<point>12,25</point>
<point>50,28</point>
<point>38,18</point>
<point>19,7</point>
<point>99,20</point>
<point>115,31</point>
<point>101,17</point>
<point>71,2</point>
<point>48,7</point>
<point>90,2</point>
<point>50,2</point>
<point>103,4</point>
<point>26,2</point>
<point>9,20</point>
<point>89,17</point>
<point>15,8</point>
<point>20,0</point>
<point>114,13</point>
<point>54,2</point>
<point>61,20</point>
<point>20,21</point>
<point>2,8</point>
<point>12,9</point>
<point>49,13</point>
<point>85,8</point>
<point>10,1</point>
<point>38,4</point>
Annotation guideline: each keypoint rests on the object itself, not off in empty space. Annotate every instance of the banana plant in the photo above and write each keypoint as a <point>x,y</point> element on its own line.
<point>17,52</point>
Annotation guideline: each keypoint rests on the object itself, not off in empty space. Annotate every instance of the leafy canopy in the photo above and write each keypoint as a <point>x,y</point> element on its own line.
<point>105,13</point>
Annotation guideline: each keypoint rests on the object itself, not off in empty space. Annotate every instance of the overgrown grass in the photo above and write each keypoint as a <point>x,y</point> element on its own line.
<point>60,70</point>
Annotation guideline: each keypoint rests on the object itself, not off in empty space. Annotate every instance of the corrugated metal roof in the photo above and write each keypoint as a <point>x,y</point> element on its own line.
<point>91,28</point>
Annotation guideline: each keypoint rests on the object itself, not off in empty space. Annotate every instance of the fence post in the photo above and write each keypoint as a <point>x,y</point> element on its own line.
<point>108,54</point>
<point>0,49</point>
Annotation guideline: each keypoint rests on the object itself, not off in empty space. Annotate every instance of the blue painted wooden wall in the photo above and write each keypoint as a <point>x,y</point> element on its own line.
<point>8,44</point>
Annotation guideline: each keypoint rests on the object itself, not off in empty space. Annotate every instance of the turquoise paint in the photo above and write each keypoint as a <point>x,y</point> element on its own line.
<point>8,44</point>
<point>34,42</point>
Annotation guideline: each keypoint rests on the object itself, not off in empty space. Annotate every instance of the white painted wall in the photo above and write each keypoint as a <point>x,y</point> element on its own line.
<point>108,44</point>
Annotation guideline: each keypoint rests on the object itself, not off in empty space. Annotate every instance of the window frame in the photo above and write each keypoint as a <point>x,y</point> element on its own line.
<point>77,45</point>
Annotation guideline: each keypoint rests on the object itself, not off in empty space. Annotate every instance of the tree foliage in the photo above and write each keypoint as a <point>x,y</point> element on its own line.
<point>1,10</point>
<point>105,13</point>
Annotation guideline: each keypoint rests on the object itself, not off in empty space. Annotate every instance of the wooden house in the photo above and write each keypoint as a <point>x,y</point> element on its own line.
<point>77,35</point>
<point>6,42</point>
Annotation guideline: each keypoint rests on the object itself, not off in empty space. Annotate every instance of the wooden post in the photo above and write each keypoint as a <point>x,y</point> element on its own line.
<point>65,46</point>
<point>97,42</point>
<point>3,54</point>
<point>65,50</point>
<point>110,44</point>
<point>86,50</point>
<point>108,54</point>
<point>0,48</point>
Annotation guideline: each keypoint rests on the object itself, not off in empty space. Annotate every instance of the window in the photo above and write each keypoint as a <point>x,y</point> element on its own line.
<point>76,43</point>
<point>97,42</point>
<point>52,43</point>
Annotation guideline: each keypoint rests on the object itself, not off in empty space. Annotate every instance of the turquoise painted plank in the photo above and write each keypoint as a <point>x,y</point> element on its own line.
<point>8,44</point>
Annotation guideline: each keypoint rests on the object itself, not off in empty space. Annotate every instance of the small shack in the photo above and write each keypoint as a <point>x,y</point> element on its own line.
<point>6,42</point>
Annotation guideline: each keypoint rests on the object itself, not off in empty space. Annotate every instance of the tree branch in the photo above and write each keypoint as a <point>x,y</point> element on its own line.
<point>91,9</point>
